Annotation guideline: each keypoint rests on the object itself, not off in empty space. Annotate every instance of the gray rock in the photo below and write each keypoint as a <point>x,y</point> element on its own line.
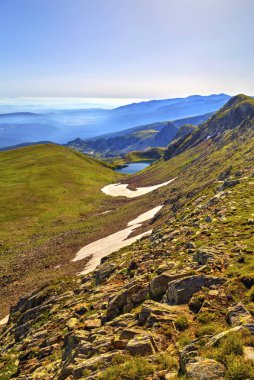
<point>103,272</point>
<point>204,255</point>
<point>159,284</point>
<point>181,291</point>
<point>142,345</point>
<point>239,315</point>
<point>205,369</point>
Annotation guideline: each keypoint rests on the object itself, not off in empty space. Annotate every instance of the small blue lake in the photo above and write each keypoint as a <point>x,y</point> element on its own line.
<point>134,167</point>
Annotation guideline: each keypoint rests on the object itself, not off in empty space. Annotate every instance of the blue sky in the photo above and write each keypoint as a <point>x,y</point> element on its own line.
<point>126,48</point>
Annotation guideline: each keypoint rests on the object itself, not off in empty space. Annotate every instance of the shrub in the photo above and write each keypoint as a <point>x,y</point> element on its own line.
<point>134,369</point>
<point>184,339</point>
<point>239,369</point>
<point>230,347</point>
<point>182,323</point>
<point>208,329</point>
<point>165,361</point>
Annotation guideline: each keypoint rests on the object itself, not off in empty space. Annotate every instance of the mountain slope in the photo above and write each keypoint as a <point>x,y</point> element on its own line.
<point>238,111</point>
<point>45,190</point>
<point>140,138</point>
<point>177,304</point>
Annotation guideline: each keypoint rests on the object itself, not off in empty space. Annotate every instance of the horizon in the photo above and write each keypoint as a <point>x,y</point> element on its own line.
<point>140,50</point>
<point>74,103</point>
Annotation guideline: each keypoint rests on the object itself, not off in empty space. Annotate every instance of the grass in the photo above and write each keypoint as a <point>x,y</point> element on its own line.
<point>133,369</point>
<point>47,184</point>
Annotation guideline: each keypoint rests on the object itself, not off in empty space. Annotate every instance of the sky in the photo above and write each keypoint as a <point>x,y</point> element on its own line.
<point>126,48</point>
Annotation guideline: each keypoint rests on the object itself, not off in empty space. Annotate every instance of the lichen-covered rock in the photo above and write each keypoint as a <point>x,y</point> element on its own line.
<point>159,284</point>
<point>239,315</point>
<point>134,293</point>
<point>181,291</point>
<point>141,345</point>
<point>152,308</point>
<point>103,272</point>
<point>205,369</point>
<point>204,255</point>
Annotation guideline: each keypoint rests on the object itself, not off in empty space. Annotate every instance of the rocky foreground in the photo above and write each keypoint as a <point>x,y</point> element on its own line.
<point>164,307</point>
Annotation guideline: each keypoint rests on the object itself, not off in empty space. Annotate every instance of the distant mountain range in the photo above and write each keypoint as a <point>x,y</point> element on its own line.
<point>140,138</point>
<point>64,125</point>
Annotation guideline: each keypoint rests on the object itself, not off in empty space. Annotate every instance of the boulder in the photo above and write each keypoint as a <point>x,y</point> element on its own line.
<point>180,291</point>
<point>159,284</point>
<point>239,315</point>
<point>204,255</point>
<point>78,367</point>
<point>103,272</point>
<point>133,294</point>
<point>155,309</point>
<point>205,369</point>
<point>142,345</point>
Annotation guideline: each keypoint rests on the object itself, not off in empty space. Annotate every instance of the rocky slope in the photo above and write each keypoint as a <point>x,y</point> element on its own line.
<point>173,306</point>
<point>238,111</point>
<point>141,138</point>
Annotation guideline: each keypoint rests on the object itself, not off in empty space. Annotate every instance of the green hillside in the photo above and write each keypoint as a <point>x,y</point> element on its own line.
<point>47,184</point>
<point>45,191</point>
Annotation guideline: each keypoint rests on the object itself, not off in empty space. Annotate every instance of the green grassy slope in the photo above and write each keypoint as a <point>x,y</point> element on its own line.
<point>45,186</point>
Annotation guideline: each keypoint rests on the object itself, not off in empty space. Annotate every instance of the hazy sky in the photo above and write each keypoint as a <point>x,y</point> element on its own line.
<point>126,48</point>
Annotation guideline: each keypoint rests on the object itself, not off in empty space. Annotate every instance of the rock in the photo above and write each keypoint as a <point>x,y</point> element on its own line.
<point>77,369</point>
<point>208,219</point>
<point>122,320</point>
<point>196,302</point>
<point>155,309</point>
<point>204,255</point>
<point>239,315</point>
<point>205,369</point>
<point>170,375</point>
<point>227,184</point>
<point>142,345</point>
<point>133,294</point>
<point>72,323</point>
<point>130,333</point>
<point>91,324</point>
<point>103,271</point>
<point>80,308</point>
<point>165,267</point>
<point>248,353</point>
<point>159,284</point>
<point>214,341</point>
<point>181,291</point>
<point>188,355</point>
